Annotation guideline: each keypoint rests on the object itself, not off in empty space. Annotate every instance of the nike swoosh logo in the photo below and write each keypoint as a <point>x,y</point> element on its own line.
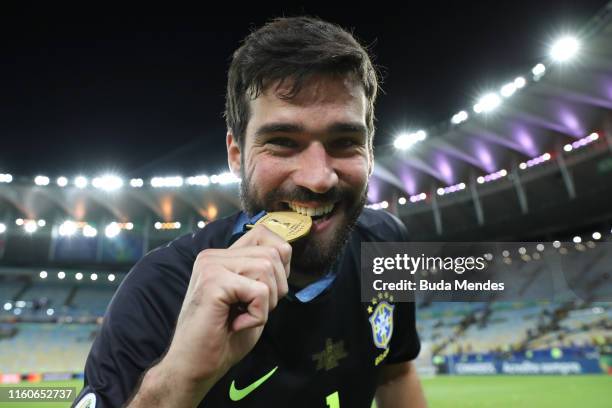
<point>236,394</point>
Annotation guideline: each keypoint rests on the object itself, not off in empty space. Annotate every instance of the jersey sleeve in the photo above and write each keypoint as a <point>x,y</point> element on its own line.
<point>136,330</point>
<point>405,344</point>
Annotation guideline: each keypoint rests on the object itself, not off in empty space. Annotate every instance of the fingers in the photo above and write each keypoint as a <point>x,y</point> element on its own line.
<point>254,294</point>
<point>257,269</point>
<point>262,236</point>
<point>253,262</point>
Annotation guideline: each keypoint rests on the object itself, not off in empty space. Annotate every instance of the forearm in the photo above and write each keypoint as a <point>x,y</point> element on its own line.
<point>400,387</point>
<point>163,386</point>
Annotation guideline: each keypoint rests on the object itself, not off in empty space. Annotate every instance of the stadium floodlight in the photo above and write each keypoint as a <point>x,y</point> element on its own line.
<point>78,276</point>
<point>30,226</point>
<point>175,181</point>
<point>19,221</point>
<point>538,70</point>
<point>519,82</point>
<point>568,147</point>
<point>451,189</point>
<point>50,312</point>
<point>540,247</point>
<point>41,180</point>
<point>406,140</point>
<point>62,181</point>
<point>401,200</point>
<point>61,275</point>
<point>384,204</point>
<point>557,244</point>
<point>8,306</point>
<point>224,178</point>
<point>129,226</point>
<point>564,49</point>
<point>20,303</point>
<point>108,182</point>
<point>487,103</point>
<point>112,230</point>
<point>418,197</point>
<point>459,117</point>
<point>158,225</point>
<point>93,276</point>
<point>201,224</point>
<point>136,182</point>
<point>202,180</point>
<point>89,231</point>
<point>508,90</point>
<point>80,182</point>
<point>41,223</point>
<point>2,228</point>
<point>522,250</point>
<point>43,274</point>
<point>67,229</point>
<point>111,277</point>
<point>6,178</point>
<point>577,239</point>
<point>597,235</point>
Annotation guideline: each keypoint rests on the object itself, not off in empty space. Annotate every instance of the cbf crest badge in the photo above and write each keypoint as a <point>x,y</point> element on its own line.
<point>382,324</point>
<point>381,321</point>
<point>380,311</point>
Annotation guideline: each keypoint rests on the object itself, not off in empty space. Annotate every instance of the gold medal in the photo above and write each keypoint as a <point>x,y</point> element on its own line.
<point>288,224</point>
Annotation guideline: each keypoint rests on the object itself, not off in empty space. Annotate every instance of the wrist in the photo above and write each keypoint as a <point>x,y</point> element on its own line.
<point>164,386</point>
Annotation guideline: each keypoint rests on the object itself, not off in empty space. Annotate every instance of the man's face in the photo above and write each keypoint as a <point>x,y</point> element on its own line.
<point>309,154</point>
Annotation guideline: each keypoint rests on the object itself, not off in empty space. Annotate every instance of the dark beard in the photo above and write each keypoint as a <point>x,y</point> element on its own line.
<point>309,256</point>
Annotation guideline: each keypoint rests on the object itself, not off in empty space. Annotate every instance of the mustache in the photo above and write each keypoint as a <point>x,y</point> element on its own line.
<point>304,194</point>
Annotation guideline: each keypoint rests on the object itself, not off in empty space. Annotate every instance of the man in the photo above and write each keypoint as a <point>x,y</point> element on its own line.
<point>224,317</point>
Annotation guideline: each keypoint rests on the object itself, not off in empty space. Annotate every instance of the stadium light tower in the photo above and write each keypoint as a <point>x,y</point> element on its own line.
<point>67,229</point>
<point>62,181</point>
<point>564,49</point>
<point>89,231</point>
<point>80,182</point>
<point>406,140</point>
<point>459,117</point>
<point>112,230</point>
<point>107,182</point>
<point>41,180</point>
<point>487,103</point>
<point>30,226</point>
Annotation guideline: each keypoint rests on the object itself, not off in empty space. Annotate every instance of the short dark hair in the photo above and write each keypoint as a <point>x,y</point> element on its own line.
<point>294,48</point>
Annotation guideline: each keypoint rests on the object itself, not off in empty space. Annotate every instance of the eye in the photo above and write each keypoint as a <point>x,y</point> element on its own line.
<point>282,142</point>
<point>345,143</point>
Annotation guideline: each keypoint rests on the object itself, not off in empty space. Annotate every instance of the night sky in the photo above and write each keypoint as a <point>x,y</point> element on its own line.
<point>143,95</point>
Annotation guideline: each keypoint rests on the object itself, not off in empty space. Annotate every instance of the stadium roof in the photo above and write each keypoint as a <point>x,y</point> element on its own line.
<point>479,162</point>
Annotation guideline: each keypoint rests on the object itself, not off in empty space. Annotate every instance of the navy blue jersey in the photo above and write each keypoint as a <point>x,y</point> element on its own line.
<point>324,353</point>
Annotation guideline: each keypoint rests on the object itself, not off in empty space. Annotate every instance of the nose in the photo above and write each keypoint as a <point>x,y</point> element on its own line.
<point>315,170</point>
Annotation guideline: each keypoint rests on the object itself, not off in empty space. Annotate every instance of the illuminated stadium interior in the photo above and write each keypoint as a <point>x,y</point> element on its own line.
<point>529,161</point>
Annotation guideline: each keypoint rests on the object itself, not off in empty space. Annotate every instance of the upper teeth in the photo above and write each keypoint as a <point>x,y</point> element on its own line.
<point>312,211</point>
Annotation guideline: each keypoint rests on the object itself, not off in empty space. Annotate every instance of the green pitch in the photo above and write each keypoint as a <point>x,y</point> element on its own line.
<point>520,391</point>
<point>478,392</point>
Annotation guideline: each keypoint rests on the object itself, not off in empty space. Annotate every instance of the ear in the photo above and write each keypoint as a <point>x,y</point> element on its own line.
<point>233,153</point>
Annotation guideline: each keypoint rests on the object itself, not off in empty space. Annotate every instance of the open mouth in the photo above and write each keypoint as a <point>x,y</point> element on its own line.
<point>319,213</point>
